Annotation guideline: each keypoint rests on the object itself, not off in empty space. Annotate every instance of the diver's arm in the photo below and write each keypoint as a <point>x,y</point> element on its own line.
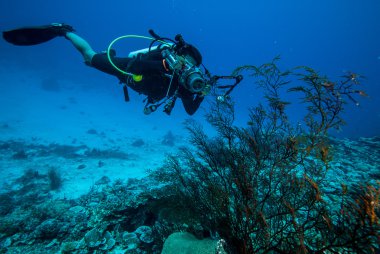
<point>191,104</point>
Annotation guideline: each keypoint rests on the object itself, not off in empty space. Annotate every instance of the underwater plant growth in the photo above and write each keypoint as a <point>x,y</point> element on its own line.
<point>262,187</point>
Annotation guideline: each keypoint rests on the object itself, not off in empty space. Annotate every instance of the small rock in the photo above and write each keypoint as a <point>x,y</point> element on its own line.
<point>92,132</point>
<point>138,143</point>
<point>81,166</point>
<point>20,155</point>
<point>188,243</point>
<point>101,164</point>
<point>5,126</point>
<point>47,229</point>
<point>103,180</point>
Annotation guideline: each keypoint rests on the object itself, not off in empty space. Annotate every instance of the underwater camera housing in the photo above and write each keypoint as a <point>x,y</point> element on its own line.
<point>192,79</point>
<point>184,60</point>
<point>190,76</point>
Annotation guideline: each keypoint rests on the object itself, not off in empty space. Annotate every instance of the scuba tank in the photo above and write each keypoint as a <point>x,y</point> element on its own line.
<point>136,53</point>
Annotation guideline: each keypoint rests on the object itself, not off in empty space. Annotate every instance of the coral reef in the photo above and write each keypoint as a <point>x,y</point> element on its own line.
<point>20,155</point>
<point>138,142</point>
<point>262,187</point>
<point>19,150</point>
<point>113,217</point>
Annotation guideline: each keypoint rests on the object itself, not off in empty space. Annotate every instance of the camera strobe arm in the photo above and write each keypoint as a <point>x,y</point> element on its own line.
<point>237,79</point>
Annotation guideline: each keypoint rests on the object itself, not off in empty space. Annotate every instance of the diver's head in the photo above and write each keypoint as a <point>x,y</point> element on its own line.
<point>191,53</point>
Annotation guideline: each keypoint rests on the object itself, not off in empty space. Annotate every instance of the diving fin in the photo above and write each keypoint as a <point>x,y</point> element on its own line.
<point>28,36</point>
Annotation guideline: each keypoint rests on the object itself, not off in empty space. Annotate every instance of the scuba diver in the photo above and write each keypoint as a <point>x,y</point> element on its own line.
<point>165,72</point>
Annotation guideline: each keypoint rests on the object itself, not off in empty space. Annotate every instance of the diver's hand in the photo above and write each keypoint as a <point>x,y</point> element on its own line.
<point>206,91</point>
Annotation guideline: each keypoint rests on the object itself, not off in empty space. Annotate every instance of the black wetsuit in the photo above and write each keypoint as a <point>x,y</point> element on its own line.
<point>154,84</point>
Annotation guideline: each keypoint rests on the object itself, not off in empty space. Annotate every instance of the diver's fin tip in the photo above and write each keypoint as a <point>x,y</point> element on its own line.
<point>28,36</point>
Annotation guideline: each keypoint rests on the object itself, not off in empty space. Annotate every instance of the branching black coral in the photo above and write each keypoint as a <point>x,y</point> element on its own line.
<point>259,186</point>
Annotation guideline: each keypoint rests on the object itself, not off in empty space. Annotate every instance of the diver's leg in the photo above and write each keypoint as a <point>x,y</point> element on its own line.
<point>82,46</point>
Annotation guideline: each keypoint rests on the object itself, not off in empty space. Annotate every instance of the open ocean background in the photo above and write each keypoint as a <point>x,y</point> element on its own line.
<point>329,36</point>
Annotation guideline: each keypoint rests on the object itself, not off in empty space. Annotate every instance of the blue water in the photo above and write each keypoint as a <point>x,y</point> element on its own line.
<point>330,36</point>
<point>49,96</point>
